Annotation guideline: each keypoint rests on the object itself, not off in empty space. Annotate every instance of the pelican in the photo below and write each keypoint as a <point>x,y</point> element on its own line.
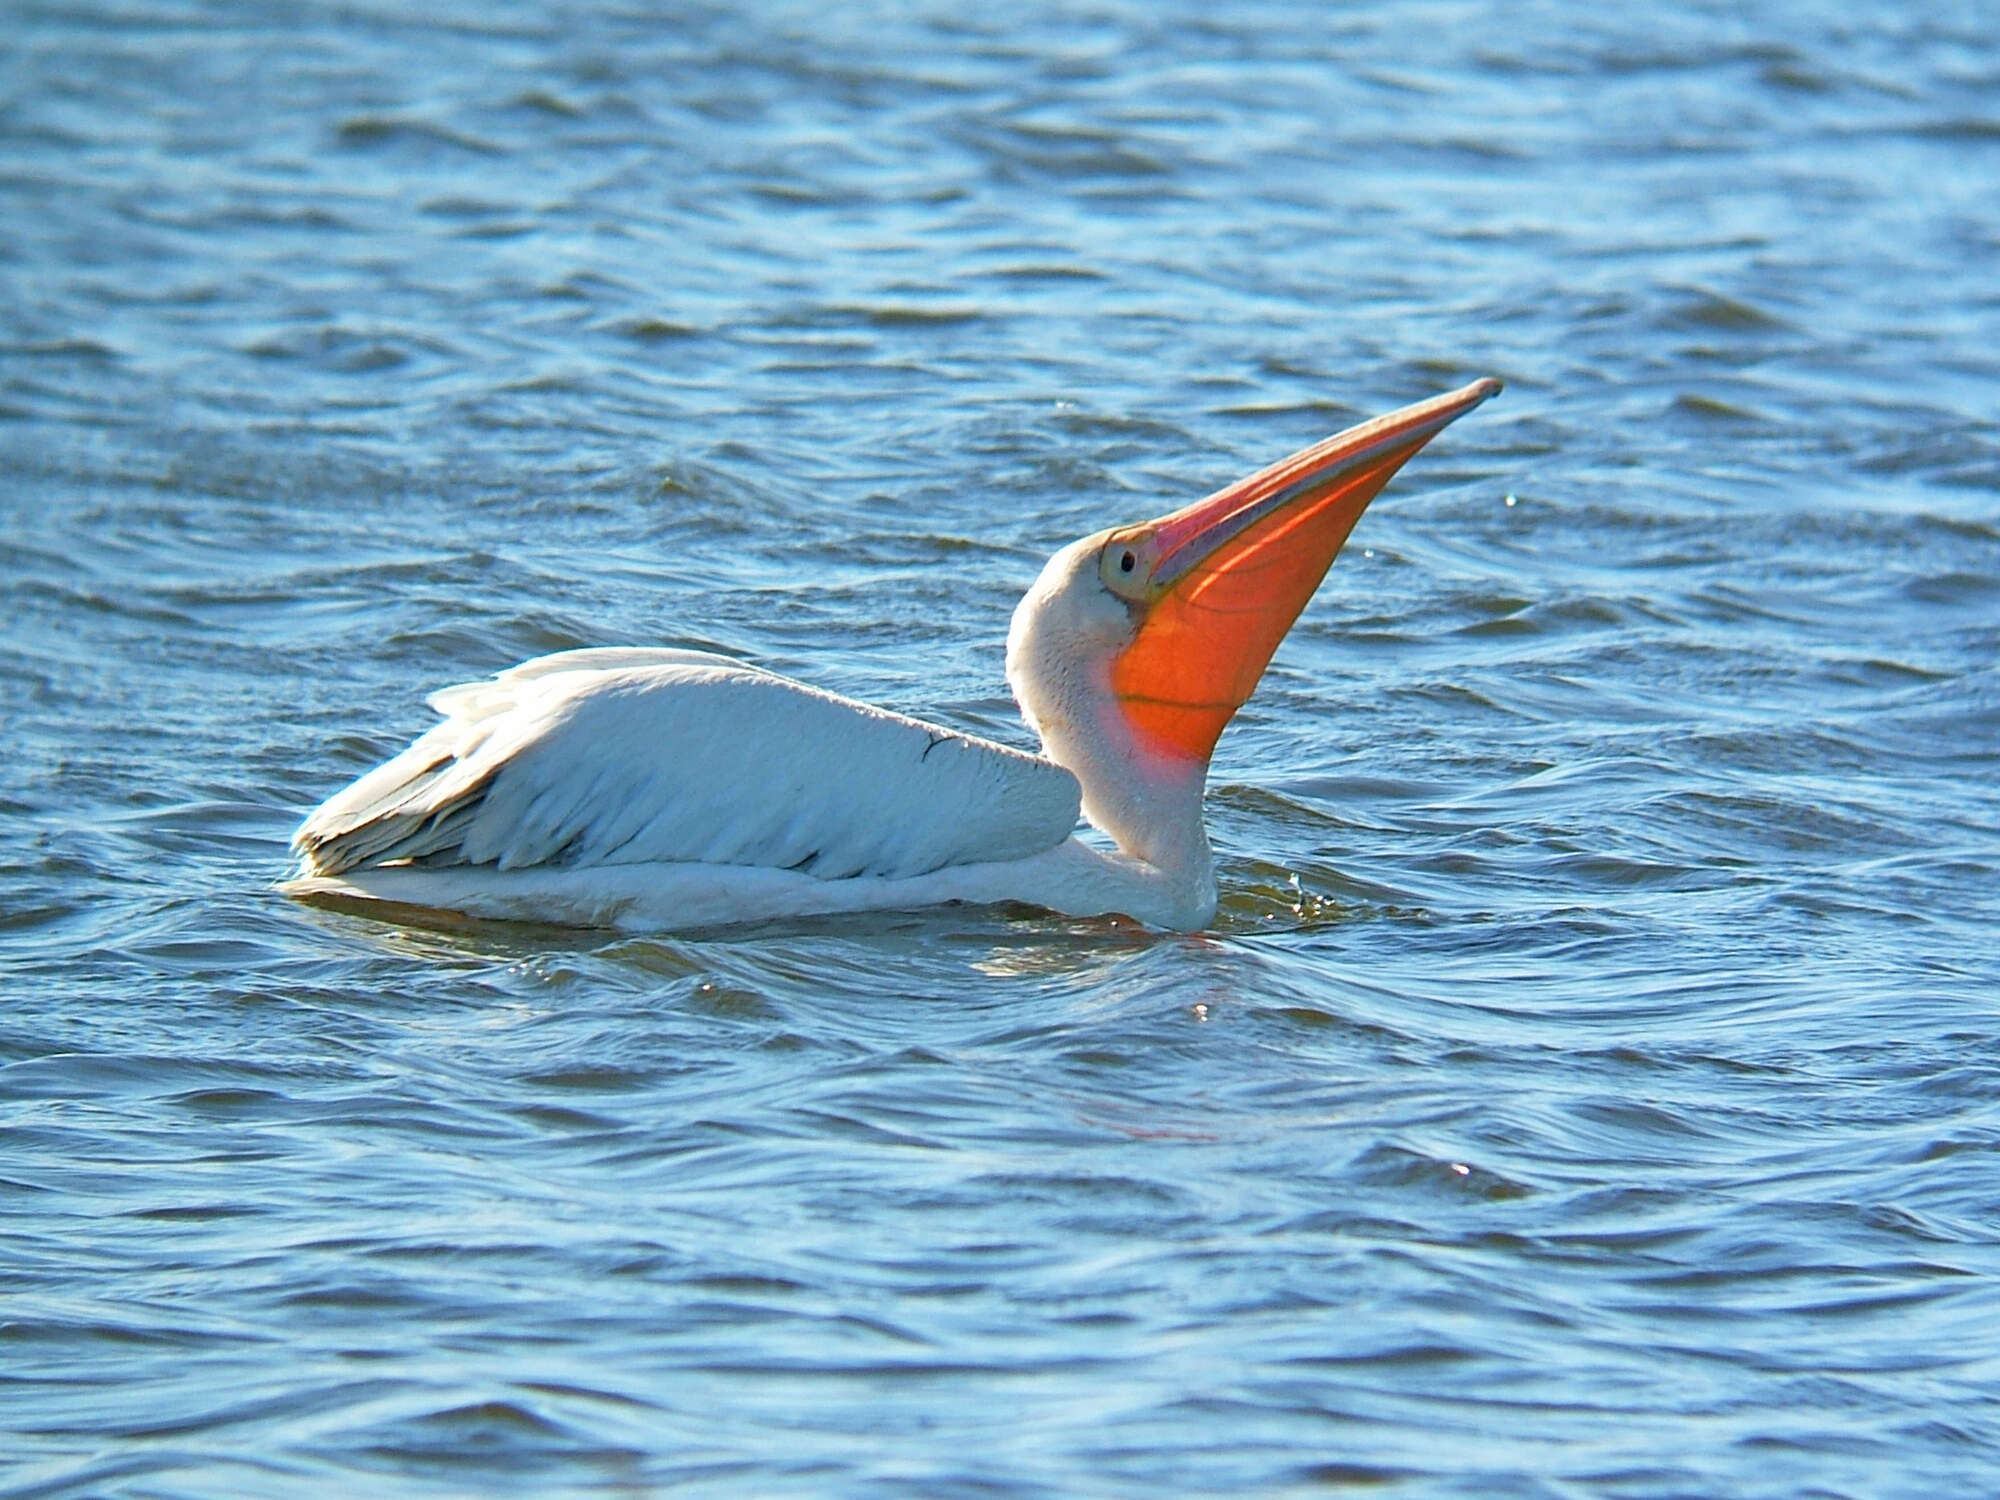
<point>652,789</point>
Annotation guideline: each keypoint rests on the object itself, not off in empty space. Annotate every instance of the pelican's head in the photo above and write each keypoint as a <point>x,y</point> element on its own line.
<point>1137,645</point>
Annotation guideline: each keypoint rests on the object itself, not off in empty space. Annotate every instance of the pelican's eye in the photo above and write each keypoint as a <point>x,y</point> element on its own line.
<point>1126,564</point>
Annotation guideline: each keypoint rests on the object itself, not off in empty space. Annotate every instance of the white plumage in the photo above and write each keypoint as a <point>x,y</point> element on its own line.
<point>630,756</point>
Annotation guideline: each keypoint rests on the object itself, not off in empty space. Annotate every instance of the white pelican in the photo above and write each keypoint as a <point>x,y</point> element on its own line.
<point>653,789</point>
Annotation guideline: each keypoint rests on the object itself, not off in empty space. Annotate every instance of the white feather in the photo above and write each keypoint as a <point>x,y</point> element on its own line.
<point>635,756</point>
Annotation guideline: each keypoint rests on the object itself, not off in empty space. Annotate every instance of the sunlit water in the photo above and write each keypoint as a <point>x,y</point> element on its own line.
<point>1593,1084</point>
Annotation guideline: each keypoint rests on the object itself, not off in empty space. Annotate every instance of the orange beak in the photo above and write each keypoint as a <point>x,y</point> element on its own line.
<point>1221,581</point>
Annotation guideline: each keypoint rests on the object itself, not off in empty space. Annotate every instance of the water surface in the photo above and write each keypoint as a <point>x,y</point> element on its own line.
<point>1592,1086</point>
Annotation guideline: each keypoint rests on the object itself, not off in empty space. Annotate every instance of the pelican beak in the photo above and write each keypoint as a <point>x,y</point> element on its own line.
<point>1217,584</point>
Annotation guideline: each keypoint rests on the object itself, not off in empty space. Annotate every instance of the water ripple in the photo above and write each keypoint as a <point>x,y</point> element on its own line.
<point>1587,1087</point>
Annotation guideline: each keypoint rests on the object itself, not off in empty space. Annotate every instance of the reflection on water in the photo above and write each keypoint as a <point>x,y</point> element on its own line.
<point>1588,1086</point>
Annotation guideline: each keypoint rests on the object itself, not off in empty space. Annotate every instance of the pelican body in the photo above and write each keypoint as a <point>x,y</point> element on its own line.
<point>658,789</point>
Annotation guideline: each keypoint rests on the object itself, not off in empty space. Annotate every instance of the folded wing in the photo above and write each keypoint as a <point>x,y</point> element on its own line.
<point>629,755</point>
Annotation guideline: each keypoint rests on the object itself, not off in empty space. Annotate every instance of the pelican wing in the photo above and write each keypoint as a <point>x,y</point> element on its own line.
<point>631,755</point>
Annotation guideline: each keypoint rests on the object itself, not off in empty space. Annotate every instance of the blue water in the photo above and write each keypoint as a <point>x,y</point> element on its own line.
<point>1592,1085</point>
